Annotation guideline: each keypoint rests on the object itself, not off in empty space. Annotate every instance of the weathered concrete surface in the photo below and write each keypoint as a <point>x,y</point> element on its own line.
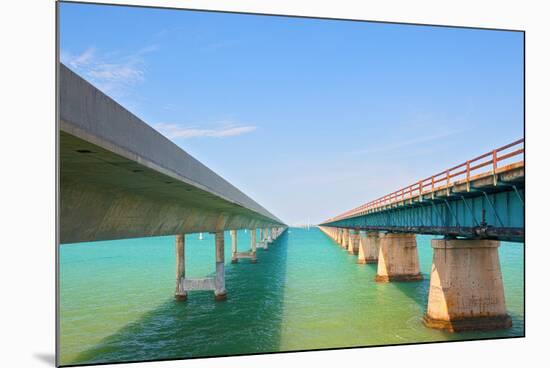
<point>369,247</point>
<point>219,286</point>
<point>181,294</point>
<point>235,254</point>
<point>345,238</point>
<point>120,178</point>
<point>398,258</point>
<point>331,232</point>
<point>353,242</point>
<point>253,259</point>
<point>216,283</point>
<point>466,289</point>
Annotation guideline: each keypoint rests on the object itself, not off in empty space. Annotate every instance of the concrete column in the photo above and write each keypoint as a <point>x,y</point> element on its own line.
<point>466,288</point>
<point>234,258</point>
<point>339,236</point>
<point>181,294</point>
<point>253,245</point>
<point>268,235</point>
<point>369,246</point>
<point>353,243</point>
<point>398,258</point>
<point>345,238</point>
<point>219,291</point>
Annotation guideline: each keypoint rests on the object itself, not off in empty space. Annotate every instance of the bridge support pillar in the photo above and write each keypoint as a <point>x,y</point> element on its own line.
<point>181,294</point>
<point>263,241</point>
<point>235,254</point>
<point>338,236</point>
<point>268,235</point>
<point>398,258</point>
<point>234,257</point>
<point>466,288</point>
<point>219,285</point>
<point>353,242</point>
<point>345,238</point>
<point>253,245</point>
<point>369,246</point>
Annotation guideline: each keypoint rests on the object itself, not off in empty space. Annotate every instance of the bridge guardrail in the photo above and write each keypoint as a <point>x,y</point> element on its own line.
<point>465,171</point>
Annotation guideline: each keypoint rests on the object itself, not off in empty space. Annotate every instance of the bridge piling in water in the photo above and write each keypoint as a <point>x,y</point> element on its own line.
<point>398,258</point>
<point>216,283</point>
<point>345,238</point>
<point>269,235</point>
<point>181,294</point>
<point>253,245</point>
<point>219,285</point>
<point>260,240</point>
<point>466,288</point>
<point>353,242</point>
<point>369,246</point>
<point>236,255</point>
<point>263,240</point>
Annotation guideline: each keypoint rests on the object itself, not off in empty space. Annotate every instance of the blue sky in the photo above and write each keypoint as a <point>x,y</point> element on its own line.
<point>308,117</point>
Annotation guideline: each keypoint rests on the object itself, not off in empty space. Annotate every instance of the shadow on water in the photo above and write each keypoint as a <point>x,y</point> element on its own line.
<point>248,322</point>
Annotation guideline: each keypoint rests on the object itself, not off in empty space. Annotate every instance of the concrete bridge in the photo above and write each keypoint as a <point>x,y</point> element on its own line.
<point>119,178</point>
<point>474,206</point>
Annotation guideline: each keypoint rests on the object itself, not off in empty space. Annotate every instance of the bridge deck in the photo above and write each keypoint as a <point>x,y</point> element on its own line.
<point>120,178</point>
<point>485,205</point>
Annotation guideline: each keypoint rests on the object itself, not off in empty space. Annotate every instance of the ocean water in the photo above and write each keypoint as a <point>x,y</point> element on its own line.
<point>305,292</point>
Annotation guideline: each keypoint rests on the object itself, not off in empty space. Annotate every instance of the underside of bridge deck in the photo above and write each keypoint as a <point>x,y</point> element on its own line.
<point>120,178</point>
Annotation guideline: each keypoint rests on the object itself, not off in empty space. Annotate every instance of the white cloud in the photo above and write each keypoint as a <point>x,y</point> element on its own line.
<point>225,130</point>
<point>112,73</point>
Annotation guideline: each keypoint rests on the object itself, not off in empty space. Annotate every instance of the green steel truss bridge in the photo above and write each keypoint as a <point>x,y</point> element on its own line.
<point>482,198</point>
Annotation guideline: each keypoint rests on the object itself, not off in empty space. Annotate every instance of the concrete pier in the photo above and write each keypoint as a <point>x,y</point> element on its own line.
<point>253,245</point>
<point>353,242</point>
<point>345,238</point>
<point>369,247</point>
<point>219,286</point>
<point>268,235</point>
<point>263,241</point>
<point>216,284</point>
<point>331,232</point>
<point>466,288</point>
<point>181,294</point>
<point>263,238</point>
<point>398,258</point>
<point>234,258</point>
<point>276,232</point>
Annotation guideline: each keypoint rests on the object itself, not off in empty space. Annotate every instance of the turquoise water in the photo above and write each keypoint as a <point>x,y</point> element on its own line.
<point>305,292</point>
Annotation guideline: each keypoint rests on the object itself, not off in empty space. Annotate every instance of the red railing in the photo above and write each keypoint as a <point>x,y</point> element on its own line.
<point>445,179</point>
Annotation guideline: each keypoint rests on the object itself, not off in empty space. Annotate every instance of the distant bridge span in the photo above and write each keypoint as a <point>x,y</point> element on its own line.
<point>462,201</point>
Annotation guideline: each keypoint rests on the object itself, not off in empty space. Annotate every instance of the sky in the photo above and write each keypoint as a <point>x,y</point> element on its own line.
<point>308,117</point>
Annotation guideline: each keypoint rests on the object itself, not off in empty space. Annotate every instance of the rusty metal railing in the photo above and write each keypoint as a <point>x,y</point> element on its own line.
<point>465,172</point>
